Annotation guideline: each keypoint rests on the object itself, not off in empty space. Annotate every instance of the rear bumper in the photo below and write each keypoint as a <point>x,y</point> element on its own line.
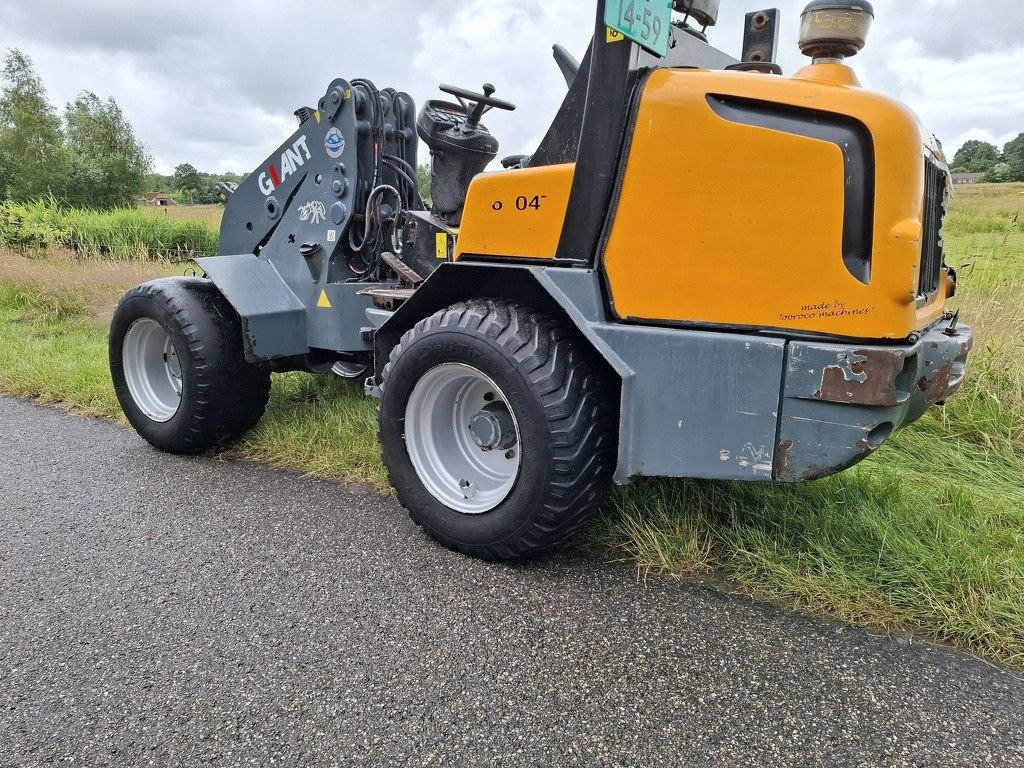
<point>840,402</point>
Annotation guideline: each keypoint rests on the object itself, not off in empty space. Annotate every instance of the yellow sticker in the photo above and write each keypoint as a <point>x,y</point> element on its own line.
<point>348,94</point>
<point>317,115</point>
<point>324,302</point>
<point>614,36</point>
<point>442,245</point>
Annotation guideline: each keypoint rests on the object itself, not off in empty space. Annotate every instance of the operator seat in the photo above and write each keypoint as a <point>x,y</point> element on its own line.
<point>460,145</point>
<point>572,117</point>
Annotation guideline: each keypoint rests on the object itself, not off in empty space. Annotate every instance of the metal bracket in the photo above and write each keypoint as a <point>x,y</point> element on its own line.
<point>405,273</point>
<point>761,36</point>
<point>335,99</point>
<point>763,67</point>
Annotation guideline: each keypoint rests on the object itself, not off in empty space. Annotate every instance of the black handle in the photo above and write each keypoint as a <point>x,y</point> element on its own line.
<point>476,104</point>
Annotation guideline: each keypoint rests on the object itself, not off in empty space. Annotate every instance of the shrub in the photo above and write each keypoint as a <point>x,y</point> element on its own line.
<point>20,230</point>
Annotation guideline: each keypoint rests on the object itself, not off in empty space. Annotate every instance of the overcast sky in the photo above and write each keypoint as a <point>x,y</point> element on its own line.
<point>214,82</point>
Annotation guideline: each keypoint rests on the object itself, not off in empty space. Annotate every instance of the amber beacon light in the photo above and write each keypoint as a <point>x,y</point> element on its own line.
<point>833,30</point>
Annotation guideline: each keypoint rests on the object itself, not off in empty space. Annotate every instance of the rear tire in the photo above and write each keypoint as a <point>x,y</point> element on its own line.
<point>535,390</point>
<point>178,367</point>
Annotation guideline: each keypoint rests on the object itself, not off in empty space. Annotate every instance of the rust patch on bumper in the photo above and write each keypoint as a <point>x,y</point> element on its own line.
<point>936,386</point>
<point>784,470</point>
<point>868,377</point>
<point>780,464</point>
<point>859,396</point>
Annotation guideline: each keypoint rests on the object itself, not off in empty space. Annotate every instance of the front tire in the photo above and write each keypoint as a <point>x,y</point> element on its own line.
<point>498,429</point>
<point>178,367</point>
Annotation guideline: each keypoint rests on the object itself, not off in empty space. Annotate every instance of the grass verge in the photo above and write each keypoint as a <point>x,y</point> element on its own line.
<point>54,314</point>
<point>926,537</point>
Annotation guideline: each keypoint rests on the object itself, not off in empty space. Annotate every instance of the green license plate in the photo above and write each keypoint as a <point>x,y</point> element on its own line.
<point>648,22</point>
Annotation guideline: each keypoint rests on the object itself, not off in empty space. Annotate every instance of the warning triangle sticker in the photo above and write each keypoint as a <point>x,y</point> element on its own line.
<point>324,302</point>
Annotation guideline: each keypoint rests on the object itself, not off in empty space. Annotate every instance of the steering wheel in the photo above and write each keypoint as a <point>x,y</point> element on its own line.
<point>477,104</point>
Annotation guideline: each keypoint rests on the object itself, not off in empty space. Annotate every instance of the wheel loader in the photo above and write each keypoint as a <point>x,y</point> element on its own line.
<point>705,269</point>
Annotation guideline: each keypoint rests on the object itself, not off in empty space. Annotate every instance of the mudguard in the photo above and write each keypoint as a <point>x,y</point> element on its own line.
<point>273,317</point>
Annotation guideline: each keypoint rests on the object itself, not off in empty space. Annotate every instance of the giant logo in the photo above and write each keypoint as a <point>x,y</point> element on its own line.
<point>292,159</point>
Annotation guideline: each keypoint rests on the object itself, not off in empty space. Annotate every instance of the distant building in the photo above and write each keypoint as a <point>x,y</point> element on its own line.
<point>967,178</point>
<point>158,199</point>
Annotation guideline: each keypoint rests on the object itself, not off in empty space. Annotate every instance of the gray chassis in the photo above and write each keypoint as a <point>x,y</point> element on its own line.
<point>694,403</point>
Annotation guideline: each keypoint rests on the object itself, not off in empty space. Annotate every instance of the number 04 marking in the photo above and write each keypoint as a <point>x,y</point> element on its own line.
<point>524,203</point>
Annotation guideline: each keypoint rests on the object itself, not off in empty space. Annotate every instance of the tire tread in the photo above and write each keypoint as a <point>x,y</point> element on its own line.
<point>578,401</point>
<point>231,394</point>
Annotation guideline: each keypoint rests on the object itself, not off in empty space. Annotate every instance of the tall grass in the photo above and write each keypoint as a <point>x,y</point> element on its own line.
<point>49,349</point>
<point>122,233</point>
<point>928,534</point>
<point>990,409</point>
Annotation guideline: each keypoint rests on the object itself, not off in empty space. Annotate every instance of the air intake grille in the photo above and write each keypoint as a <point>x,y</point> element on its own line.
<point>936,192</point>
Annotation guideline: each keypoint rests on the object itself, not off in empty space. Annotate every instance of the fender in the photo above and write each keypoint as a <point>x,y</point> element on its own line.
<point>273,317</point>
<point>571,294</point>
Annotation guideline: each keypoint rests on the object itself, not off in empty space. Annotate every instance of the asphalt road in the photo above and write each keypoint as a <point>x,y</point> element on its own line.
<point>173,611</point>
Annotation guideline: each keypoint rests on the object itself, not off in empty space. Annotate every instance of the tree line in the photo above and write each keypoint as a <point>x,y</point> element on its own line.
<point>88,156</point>
<point>997,165</point>
<point>189,185</point>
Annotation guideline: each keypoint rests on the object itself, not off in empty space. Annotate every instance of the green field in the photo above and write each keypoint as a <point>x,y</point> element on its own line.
<point>120,234</point>
<point>926,537</point>
<point>209,215</point>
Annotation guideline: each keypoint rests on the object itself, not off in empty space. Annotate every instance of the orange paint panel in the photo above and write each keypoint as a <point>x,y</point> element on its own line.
<point>724,223</point>
<point>516,214</point>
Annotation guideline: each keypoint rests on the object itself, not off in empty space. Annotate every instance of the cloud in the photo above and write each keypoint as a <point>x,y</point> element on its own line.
<point>961,29</point>
<point>102,26</point>
<point>215,83</point>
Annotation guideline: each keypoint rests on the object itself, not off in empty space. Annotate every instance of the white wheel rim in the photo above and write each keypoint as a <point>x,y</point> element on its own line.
<point>447,454</point>
<point>152,369</point>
